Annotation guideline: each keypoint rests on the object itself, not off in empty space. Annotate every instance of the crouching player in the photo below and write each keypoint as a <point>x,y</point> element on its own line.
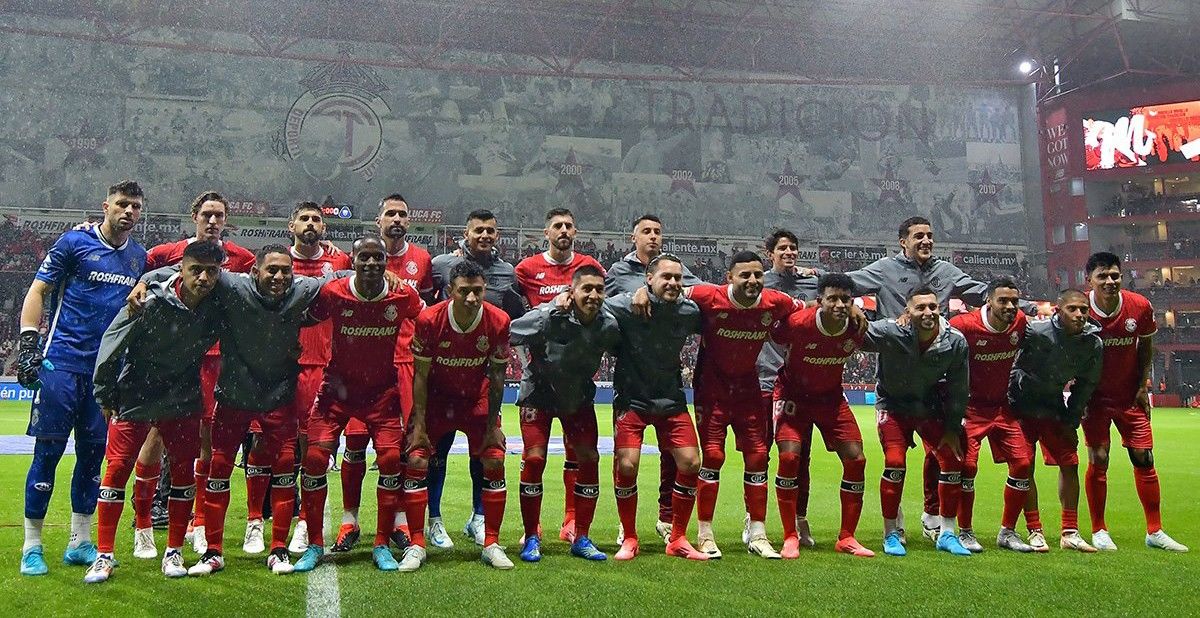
<point>148,376</point>
<point>360,383</point>
<point>564,348</point>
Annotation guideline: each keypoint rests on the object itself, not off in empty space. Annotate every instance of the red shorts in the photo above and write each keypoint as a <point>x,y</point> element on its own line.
<point>794,422</point>
<point>578,428</point>
<point>674,431</point>
<point>751,425</point>
<point>896,430</point>
<point>438,423</point>
<point>308,384</point>
<point>210,370</point>
<point>1057,448</point>
<point>181,437</point>
<point>380,419</point>
<point>1002,431</point>
<point>1133,423</point>
<point>356,427</point>
<point>230,425</point>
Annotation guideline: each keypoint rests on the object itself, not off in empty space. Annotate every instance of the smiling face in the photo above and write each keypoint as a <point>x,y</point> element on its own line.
<point>918,243</point>
<point>783,256</point>
<point>836,303</point>
<point>1105,281</point>
<point>481,235</point>
<point>273,275</point>
<point>747,280</point>
<point>587,293</point>
<point>923,311</point>
<point>666,281</point>
<point>1002,305</point>
<point>370,261</point>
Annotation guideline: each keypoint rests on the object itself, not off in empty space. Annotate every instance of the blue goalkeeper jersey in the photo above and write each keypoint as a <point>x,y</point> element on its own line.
<point>91,280</point>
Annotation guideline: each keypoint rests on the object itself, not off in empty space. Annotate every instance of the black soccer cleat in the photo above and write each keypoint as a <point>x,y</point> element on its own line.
<point>347,539</point>
<point>400,540</point>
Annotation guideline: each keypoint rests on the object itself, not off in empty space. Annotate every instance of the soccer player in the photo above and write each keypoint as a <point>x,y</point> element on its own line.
<point>86,276</point>
<point>541,278</point>
<point>1054,353</point>
<point>564,348</point>
<point>1127,326</point>
<point>148,376</point>
<point>359,383</point>
<point>913,359</point>
<point>460,350</point>
<point>994,333</point>
<point>808,392</point>
<point>649,393</point>
<point>628,275</point>
<point>478,245</point>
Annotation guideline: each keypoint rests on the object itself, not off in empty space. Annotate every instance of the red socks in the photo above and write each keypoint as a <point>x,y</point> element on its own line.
<point>216,502</point>
<point>532,469</point>
<point>201,485</point>
<point>416,500</point>
<point>1033,520</point>
<point>853,484</point>
<point>354,470</point>
<point>145,483</point>
<point>1015,492</point>
<point>626,491</point>
<point>495,493</point>
<point>315,487</point>
<point>683,500</point>
<point>258,481</point>
<point>110,505</point>
<point>585,493</point>
<point>786,491</point>
<point>570,478</point>
<point>754,487</point>
<point>1095,483</point>
<point>1146,481</point>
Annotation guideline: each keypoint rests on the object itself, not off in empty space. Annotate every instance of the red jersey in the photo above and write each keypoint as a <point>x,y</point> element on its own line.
<point>1120,330</point>
<point>315,340</point>
<point>415,268</point>
<point>365,330</point>
<point>460,359</point>
<point>816,358</point>
<point>992,355</point>
<point>541,278</point>
<point>731,338</point>
<point>237,260</point>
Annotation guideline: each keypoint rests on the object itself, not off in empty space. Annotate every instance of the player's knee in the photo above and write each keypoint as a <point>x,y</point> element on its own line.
<point>893,458</point>
<point>1098,457</point>
<point>492,464</point>
<point>316,460</point>
<point>534,459</point>
<point>626,468</point>
<point>688,463</point>
<point>388,460</point>
<point>714,458</point>
<point>118,471</point>
<point>586,455</point>
<point>1020,469</point>
<point>756,461</point>
<point>851,451</point>
<point>1141,457</point>
<point>416,463</point>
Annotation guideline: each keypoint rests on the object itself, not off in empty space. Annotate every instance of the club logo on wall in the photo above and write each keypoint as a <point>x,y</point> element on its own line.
<point>335,126</point>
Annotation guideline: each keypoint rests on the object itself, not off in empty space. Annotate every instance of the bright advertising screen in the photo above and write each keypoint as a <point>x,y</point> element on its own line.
<point>1150,135</point>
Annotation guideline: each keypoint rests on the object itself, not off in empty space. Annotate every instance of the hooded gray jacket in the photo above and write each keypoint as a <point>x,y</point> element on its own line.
<point>1046,362</point>
<point>770,360</point>
<point>647,377</point>
<point>908,378</point>
<point>890,279</point>
<point>502,288</point>
<point>629,274</point>
<point>563,354</point>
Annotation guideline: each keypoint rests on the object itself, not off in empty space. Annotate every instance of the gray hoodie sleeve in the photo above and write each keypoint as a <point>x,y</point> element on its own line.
<point>613,276</point>
<point>527,329</point>
<point>689,278</point>
<point>161,274</point>
<point>868,279</point>
<point>109,358</point>
<point>1086,381</point>
<point>966,288</point>
<point>958,385</point>
<point>879,334</point>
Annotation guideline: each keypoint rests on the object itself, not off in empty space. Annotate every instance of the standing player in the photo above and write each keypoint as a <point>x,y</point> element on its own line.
<point>359,383</point>
<point>541,278</point>
<point>809,392</point>
<point>1127,327</point>
<point>564,348</point>
<point>460,350</point>
<point>148,376</point>
<point>1054,353</point>
<point>994,332</point>
<point>913,359</point>
<point>86,275</point>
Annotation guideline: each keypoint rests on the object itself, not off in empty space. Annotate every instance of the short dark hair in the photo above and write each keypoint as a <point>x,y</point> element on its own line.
<point>480,214</point>
<point>1101,259</point>
<point>559,212</point>
<point>744,257</point>
<point>646,217</point>
<point>1003,281</point>
<point>911,221</point>
<point>393,197</point>
<point>365,238</point>
<point>921,291</point>
<point>127,187</point>
<point>1070,292</point>
<point>303,206</point>
<point>652,267</point>
<point>840,281</point>
<point>587,270</point>
<point>206,251</point>
<point>208,196</point>
<point>465,269</point>
<point>779,235</point>
<point>262,253</point>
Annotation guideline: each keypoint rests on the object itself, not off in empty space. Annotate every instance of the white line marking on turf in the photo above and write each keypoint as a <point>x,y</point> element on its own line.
<point>323,597</point>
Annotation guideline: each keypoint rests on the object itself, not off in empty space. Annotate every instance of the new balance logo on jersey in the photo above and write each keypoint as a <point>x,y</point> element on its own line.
<point>116,278</point>
<point>540,276</point>
<point>348,313</point>
<point>811,346</point>
<point>981,342</point>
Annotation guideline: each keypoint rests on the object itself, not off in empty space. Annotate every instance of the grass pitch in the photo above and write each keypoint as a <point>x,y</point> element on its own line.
<point>1135,580</point>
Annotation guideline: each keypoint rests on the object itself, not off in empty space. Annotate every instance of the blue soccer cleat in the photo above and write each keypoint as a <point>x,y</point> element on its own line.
<point>948,542</point>
<point>309,559</point>
<point>584,548</point>
<point>892,545</point>
<point>32,561</point>
<point>83,554</point>
<point>384,560</point>
<point>532,551</point>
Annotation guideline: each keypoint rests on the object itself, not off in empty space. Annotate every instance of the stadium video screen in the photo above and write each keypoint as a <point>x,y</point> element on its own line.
<point>1143,136</point>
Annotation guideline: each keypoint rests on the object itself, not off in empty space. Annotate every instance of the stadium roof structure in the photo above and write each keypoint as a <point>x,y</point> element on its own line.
<point>1117,42</point>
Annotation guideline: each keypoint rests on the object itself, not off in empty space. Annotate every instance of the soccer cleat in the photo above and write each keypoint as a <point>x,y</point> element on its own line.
<point>493,556</point>
<point>83,554</point>
<point>347,537</point>
<point>412,560</point>
<point>280,562</point>
<point>892,545</point>
<point>172,564</point>
<point>620,534</point>
<point>384,560</point>
<point>759,545</point>
<point>805,532</point>
<point>309,559</point>
<point>745,529</point>
<point>1009,539</point>
<point>1037,540</point>
<point>583,547</point>
<point>252,543</point>
<point>532,549</point>
<point>474,528</point>
<point>708,546</point>
<point>160,517</point>
<point>791,548</point>
<point>1102,541</point>
<point>199,541</point>
<point>567,531</point>
<point>143,544</point>
<point>967,538</point>
<point>211,562</point>
<point>1160,540</point>
<point>1070,539</point>
<point>948,542</point>
<point>629,550</point>
<point>299,542</point>
<point>932,532</point>
<point>399,539</point>
<point>437,535</point>
<point>851,546</point>
<point>33,562</point>
<point>681,548</point>
<point>663,529</point>
<point>903,536</point>
<point>100,570</point>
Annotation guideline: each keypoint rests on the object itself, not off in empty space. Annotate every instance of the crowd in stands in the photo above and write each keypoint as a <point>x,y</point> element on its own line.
<point>1136,202</point>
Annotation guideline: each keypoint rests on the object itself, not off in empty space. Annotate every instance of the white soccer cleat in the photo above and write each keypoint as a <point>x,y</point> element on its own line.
<point>1037,540</point>
<point>1102,541</point>
<point>100,570</point>
<point>968,540</point>
<point>1070,539</point>
<point>279,562</point>
<point>931,526</point>
<point>708,545</point>
<point>474,529</point>
<point>436,534</point>
<point>761,546</point>
<point>143,544</point>
<point>1160,540</point>
<point>252,543</point>
<point>1010,540</point>
<point>620,534</point>
<point>299,542</point>
<point>804,531</point>
<point>172,564</point>
<point>746,530</point>
<point>663,529</point>
<point>209,563</point>
<point>413,558</point>
<point>493,556</point>
<point>199,541</point>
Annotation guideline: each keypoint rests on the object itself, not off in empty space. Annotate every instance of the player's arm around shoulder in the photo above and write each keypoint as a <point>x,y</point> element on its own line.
<point>117,338</point>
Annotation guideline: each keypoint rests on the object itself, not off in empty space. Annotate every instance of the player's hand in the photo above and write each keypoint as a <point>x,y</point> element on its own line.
<point>562,302</point>
<point>136,301</point>
<point>494,437</point>
<point>858,319</point>
<point>805,272</point>
<point>1143,399</point>
<point>641,302</point>
<point>952,441</point>
<point>85,226</point>
<point>393,280</point>
<point>417,439</point>
<point>902,320</point>
<point>329,247</point>
<point>29,360</point>
<point>108,413</point>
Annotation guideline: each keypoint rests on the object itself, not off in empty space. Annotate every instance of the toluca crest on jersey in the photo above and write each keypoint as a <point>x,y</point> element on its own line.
<point>390,313</point>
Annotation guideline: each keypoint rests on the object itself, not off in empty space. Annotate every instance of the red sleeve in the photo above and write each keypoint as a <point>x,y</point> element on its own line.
<point>156,257</point>
<point>702,295</point>
<point>500,351</point>
<point>1147,325</point>
<point>423,335</point>
<point>592,261</point>
<point>520,271</point>
<point>960,322</point>
<point>323,305</point>
<point>426,283</point>
<point>341,261</point>
<point>243,259</point>
<point>413,303</point>
<point>781,305</point>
